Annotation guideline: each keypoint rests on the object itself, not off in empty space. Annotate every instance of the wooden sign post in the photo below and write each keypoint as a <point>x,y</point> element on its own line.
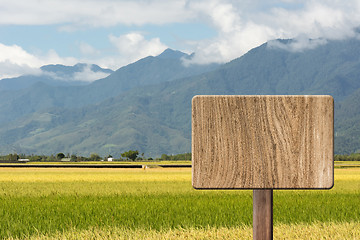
<point>262,143</point>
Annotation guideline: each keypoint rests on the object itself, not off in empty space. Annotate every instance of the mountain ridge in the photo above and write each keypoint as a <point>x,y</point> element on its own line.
<point>156,118</point>
<point>52,74</point>
<point>147,71</point>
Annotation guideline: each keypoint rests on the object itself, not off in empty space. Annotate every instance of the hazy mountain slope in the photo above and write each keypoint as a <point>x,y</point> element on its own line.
<point>105,128</point>
<point>156,119</point>
<point>38,97</point>
<point>347,124</point>
<point>53,75</point>
<point>331,68</point>
<point>165,67</point>
<point>44,93</point>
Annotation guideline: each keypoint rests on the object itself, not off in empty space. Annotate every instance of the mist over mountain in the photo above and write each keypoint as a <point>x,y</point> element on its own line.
<point>165,67</point>
<point>57,75</point>
<point>147,104</point>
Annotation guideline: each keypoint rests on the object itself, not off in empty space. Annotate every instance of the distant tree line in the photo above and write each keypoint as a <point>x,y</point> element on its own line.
<point>177,157</point>
<point>351,157</point>
<point>131,155</point>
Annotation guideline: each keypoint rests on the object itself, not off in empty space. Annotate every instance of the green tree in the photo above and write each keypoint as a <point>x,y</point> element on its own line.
<point>13,157</point>
<point>60,156</point>
<point>35,158</point>
<point>130,154</point>
<point>81,159</point>
<point>73,158</point>
<point>95,157</point>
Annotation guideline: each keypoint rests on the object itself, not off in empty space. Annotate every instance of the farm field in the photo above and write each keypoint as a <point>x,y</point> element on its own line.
<point>161,162</point>
<point>337,164</point>
<point>158,203</point>
<point>344,164</point>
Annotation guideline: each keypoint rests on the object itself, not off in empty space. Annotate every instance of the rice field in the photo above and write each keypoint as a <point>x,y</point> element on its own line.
<point>156,203</point>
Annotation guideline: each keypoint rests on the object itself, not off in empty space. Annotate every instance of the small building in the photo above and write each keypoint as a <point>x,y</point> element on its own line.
<point>110,159</point>
<point>23,160</point>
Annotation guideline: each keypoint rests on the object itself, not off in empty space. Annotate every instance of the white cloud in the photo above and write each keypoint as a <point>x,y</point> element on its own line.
<point>298,44</point>
<point>87,75</point>
<point>235,35</point>
<point>125,49</point>
<point>16,55</point>
<point>87,49</point>
<point>243,25</point>
<point>9,70</point>
<point>240,25</point>
<point>15,61</point>
<point>133,46</point>
<point>74,13</point>
<point>326,19</point>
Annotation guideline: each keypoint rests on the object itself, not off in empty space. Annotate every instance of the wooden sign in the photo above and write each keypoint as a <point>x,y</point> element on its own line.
<point>262,142</point>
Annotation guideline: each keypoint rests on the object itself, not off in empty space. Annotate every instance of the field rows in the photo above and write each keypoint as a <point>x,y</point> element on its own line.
<point>47,203</point>
<point>333,231</point>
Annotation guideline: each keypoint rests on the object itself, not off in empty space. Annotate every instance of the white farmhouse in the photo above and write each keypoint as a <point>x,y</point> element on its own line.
<point>23,160</point>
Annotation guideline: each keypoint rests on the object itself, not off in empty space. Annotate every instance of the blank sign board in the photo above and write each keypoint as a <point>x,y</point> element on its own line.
<point>262,142</point>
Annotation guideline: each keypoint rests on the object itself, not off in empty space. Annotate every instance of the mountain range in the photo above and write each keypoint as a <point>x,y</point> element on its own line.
<point>146,105</point>
<point>54,75</point>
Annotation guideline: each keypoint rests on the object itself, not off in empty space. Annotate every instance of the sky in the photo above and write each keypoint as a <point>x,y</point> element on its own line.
<point>114,33</point>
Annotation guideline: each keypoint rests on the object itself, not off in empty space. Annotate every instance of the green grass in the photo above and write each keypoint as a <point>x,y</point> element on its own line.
<point>44,202</point>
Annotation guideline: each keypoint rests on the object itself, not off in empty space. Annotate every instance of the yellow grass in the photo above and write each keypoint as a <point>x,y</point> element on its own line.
<point>331,231</point>
<point>93,174</point>
<point>347,163</point>
<point>44,182</point>
<point>346,180</point>
<point>89,181</point>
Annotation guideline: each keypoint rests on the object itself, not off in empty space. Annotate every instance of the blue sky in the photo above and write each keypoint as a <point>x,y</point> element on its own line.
<point>114,33</point>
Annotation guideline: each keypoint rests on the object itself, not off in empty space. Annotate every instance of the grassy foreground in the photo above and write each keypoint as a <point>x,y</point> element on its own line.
<point>161,204</point>
<point>333,231</point>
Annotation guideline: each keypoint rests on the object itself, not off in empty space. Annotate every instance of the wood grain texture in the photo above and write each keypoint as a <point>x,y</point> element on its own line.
<point>263,214</point>
<point>259,142</point>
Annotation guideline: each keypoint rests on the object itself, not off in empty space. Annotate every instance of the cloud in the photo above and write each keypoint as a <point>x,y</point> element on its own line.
<point>133,46</point>
<point>240,25</point>
<point>83,73</point>
<point>87,49</point>
<point>235,35</point>
<point>9,70</point>
<point>243,25</point>
<point>76,13</point>
<point>326,19</point>
<point>87,75</point>
<point>16,55</point>
<point>298,44</point>
<point>15,61</point>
